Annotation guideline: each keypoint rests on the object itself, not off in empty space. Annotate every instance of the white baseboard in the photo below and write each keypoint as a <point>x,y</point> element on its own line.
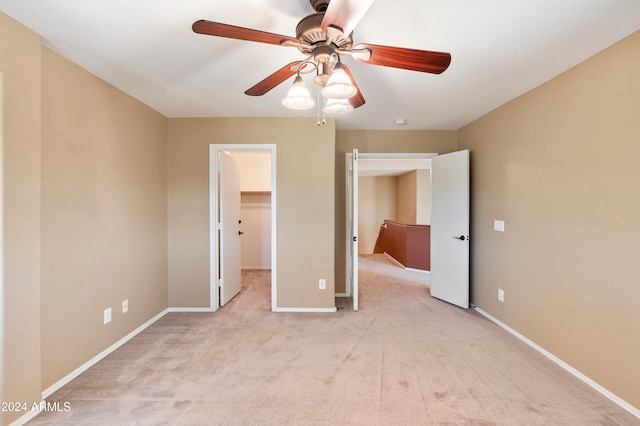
<point>24,419</point>
<point>422,271</point>
<point>397,262</point>
<point>394,260</point>
<point>75,373</point>
<point>257,268</point>
<point>190,310</point>
<point>608,394</point>
<point>342,295</point>
<point>306,310</point>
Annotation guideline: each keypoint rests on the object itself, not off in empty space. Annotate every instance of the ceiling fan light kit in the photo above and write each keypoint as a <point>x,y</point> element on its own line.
<point>337,106</point>
<point>338,85</point>
<point>324,37</point>
<point>298,96</point>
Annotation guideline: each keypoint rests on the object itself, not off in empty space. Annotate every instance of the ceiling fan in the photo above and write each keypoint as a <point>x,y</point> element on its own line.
<point>324,37</point>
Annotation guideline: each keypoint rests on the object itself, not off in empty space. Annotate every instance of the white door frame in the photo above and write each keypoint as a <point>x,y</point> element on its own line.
<point>364,156</point>
<point>214,302</point>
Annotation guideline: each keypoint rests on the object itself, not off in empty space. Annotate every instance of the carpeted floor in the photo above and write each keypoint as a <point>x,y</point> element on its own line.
<point>403,359</point>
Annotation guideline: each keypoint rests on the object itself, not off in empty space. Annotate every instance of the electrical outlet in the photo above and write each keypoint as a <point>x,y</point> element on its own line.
<point>498,225</point>
<point>501,295</point>
<point>125,305</point>
<point>322,284</point>
<point>107,315</point>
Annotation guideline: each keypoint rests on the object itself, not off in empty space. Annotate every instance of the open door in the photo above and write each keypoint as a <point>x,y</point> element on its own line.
<point>450,228</point>
<point>352,227</point>
<point>229,222</point>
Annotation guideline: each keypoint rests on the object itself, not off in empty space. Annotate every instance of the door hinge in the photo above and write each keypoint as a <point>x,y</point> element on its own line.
<point>220,283</point>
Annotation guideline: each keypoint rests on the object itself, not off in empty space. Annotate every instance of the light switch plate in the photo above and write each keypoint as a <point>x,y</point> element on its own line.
<point>498,225</point>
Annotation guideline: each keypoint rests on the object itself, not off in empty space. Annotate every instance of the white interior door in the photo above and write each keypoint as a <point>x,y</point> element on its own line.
<point>229,227</point>
<point>352,226</point>
<point>450,228</point>
<point>353,235</point>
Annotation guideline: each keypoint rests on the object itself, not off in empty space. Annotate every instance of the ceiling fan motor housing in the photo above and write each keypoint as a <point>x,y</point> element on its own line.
<point>310,32</point>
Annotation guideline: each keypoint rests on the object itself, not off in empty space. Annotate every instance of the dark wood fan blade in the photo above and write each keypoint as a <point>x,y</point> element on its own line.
<point>274,79</point>
<point>408,59</point>
<point>345,14</point>
<point>240,33</point>
<point>356,100</point>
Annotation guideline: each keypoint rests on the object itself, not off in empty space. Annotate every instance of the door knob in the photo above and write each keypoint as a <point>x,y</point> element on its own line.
<point>461,238</point>
<point>240,232</point>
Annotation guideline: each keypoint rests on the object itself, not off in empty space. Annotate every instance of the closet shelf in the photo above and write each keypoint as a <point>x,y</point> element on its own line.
<point>255,192</point>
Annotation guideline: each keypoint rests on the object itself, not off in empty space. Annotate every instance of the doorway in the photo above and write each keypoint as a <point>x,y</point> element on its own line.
<point>450,194</point>
<point>266,189</point>
<point>387,165</point>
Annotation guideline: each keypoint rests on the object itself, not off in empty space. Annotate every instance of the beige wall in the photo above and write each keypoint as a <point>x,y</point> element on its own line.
<point>374,141</point>
<point>255,170</point>
<point>423,197</point>
<point>304,204</point>
<point>255,212</point>
<point>407,197</point>
<point>377,201</point>
<point>560,166</point>
<point>104,217</point>
<point>20,191</point>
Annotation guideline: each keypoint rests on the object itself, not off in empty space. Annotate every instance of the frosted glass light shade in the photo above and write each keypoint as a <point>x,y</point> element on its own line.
<point>298,96</point>
<point>337,106</point>
<point>339,85</point>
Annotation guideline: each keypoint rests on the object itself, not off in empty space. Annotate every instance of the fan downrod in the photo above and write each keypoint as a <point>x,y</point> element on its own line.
<point>319,5</point>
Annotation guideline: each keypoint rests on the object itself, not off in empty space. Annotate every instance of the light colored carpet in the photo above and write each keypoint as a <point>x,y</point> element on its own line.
<point>403,359</point>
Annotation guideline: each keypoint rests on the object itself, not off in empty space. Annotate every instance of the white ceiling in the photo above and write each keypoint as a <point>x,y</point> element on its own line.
<point>500,49</point>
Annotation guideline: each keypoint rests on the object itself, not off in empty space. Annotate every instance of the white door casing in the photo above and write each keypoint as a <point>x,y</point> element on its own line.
<point>450,228</point>
<point>214,208</point>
